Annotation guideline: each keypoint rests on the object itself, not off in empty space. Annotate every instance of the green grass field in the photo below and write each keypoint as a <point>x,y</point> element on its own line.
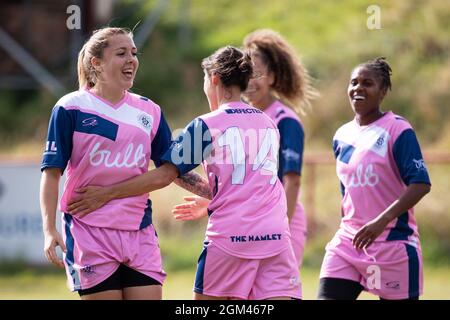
<point>36,285</point>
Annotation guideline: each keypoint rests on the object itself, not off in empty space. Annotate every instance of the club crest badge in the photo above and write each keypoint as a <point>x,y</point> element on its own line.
<point>145,121</point>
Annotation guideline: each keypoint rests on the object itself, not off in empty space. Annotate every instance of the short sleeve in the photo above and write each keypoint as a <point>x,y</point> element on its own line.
<point>291,146</point>
<point>58,148</point>
<point>190,148</point>
<point>161,142</point>
<point>409,160</point>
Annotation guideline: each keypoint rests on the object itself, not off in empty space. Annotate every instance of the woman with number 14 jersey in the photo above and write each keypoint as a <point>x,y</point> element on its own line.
<point>281,88</point>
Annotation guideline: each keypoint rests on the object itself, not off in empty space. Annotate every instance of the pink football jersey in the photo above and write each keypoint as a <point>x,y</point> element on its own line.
<point>238,145</point>
<point>292,139</point>
<point>102,144</point>
<point>375,164</point>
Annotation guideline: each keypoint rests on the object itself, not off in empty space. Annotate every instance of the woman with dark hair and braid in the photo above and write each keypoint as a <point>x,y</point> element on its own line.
<point>383,176</point>
<point>281,88</point>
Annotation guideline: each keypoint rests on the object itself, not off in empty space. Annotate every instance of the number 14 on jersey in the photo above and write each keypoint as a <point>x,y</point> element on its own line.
<point>266,159</point>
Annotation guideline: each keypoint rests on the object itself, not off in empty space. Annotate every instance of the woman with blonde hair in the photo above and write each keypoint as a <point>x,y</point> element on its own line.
<point>104,134</point>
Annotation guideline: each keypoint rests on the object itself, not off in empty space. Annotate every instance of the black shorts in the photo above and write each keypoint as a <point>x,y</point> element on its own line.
<point>342,289</point>
<point>339,289</point>
<point>123,277</point>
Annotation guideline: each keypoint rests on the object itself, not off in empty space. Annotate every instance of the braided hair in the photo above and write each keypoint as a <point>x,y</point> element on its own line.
<point>382,70</point>
<point>292,83</point>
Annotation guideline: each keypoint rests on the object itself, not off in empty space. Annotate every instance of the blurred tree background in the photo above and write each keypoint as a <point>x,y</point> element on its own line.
<point>331,37</point>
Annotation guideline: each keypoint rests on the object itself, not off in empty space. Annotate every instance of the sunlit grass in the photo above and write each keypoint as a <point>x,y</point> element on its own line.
<point>32,285</point>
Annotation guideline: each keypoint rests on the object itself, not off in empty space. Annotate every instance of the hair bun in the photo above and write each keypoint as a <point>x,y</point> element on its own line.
<point>233,65</point>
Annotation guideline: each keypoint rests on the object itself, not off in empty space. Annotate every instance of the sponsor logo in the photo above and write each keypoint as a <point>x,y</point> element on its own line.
<point>88,270</point>
<point>253,238</point>
<point>145,120</point>
<point>246,111</point>
<point>89,122</point>
<point>361,178</point>
<point>50,147</point>
<point>280,111</point>
<point>290,155</point>
<point>420,164</point>
<point>392,285</point>
<point>294,281</point>
<point>380,142</point>
<point>130,158</point>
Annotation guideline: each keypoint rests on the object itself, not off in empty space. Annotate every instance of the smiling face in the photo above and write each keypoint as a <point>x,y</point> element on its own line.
<point>119,63</point>
<point>259,86</point>
<point>365,92</point>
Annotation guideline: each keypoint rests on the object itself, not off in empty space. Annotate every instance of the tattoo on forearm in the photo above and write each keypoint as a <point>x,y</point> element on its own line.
<point>194,183</point>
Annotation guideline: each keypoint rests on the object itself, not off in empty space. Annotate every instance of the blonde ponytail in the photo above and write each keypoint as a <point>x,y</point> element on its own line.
<point>82,77</point>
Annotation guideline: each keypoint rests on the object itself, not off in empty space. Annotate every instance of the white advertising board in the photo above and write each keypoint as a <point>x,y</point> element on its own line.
<point>21,236</point>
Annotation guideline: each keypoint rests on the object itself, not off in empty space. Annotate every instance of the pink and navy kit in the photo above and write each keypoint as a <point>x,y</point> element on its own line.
<point>238,147</point>
<point>101,144</point>
<point>239,150</point>
<point>106,145</point>
<point>375,164</point>
<point>292,138</point>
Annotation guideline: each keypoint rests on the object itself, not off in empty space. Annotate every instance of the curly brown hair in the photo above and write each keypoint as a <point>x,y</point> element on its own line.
<point>292,83</point>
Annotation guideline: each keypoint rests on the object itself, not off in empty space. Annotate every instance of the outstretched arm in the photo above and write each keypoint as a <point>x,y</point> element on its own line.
<point>93,197</point>
<point>150,181</point>
<point>194,183</point>
<point>371,230</point>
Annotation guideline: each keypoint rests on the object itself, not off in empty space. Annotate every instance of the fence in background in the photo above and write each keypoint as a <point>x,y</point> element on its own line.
<point>311,163</point>
<point>20,220</point>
